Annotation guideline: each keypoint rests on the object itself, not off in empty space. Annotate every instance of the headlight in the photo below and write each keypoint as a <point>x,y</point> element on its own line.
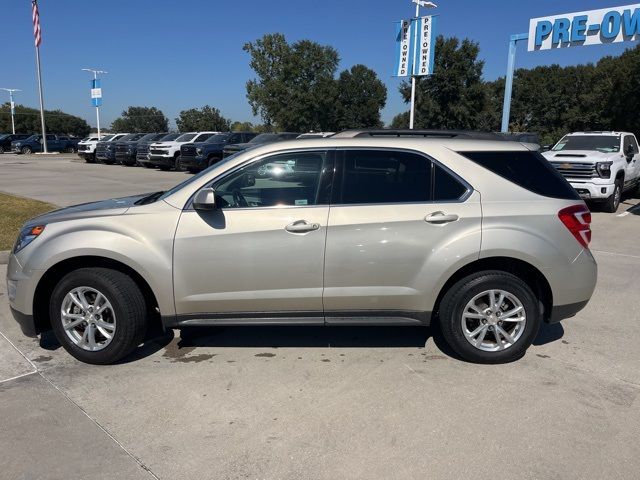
<point>199,151</point>
<point>604,169</point>
<point>27,235</point>
<point>17,144</point>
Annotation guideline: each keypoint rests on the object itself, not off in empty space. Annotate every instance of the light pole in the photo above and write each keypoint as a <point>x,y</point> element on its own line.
<point>97,100</point>
<point>13,107</point>
<point>419,3</point>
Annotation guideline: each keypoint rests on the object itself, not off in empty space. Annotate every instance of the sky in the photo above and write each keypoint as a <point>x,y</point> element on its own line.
<point>182,54</point>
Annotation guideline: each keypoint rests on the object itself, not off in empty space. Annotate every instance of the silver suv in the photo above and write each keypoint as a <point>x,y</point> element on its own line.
<point>482,237</point>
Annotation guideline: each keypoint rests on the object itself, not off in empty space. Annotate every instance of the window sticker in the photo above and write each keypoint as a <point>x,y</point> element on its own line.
<point>302,202</point>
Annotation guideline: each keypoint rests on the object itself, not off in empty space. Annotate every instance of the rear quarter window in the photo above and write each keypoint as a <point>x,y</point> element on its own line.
<point>529,170</point>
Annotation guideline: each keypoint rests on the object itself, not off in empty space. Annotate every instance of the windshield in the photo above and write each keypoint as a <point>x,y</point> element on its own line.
<point>148,136</point>
<point>131,136</point>
<point>187,137</point>
<point>169,138</point>
<point>600,143</point>
<point>223,137</point>
<point>104,138</point>
<point>263,137</point>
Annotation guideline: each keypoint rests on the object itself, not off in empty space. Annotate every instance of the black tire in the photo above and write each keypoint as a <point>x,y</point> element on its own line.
<point>90,158</point>
<point>459,295</point>
<point>176,163</point>
<point>128,304</point>
<point>26,150</point>
<point>613,202</point>
<point>1,150</point>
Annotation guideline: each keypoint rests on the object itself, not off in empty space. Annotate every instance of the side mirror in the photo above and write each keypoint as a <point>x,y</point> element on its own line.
<point>205,199</point>
<point>629,152</point>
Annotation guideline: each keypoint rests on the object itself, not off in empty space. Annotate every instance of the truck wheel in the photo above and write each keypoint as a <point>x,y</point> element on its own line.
<point>176,163</point>
<point>98,315</point>
<point>613,202</point>
<point>1,150</point>
<point>91,158</point>
<point>26,150</point>
<point>490,317</point>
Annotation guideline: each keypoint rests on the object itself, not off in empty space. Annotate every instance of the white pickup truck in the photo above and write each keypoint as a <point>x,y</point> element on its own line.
<point>87,146</point>
<point>166,154</point>
<point>601,166</point>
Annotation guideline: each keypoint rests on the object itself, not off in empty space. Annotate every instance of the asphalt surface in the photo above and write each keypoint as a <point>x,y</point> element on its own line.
<point>323,403</point>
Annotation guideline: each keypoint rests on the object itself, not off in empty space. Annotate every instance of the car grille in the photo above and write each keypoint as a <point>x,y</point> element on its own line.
<point>187,151</point>
<point>576,170</point>
<point>101,149</point>
<point>84,148</point>
<point>121,148</point>
<point>143,150</point>
<point>157,151</point>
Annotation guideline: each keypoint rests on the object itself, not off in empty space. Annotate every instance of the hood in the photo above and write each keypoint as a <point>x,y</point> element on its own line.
<point>163,144</point>
<point>103,208</point>
<point>579,156</point>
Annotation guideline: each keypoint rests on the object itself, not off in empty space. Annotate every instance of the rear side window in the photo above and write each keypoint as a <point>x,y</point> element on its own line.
<point>372,176</point>
<point>446,188</point>
<point>529,170</point>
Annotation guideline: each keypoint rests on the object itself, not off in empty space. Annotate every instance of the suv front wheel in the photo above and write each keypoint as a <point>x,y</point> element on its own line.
<point>490,317</point>
<point>98,315</point>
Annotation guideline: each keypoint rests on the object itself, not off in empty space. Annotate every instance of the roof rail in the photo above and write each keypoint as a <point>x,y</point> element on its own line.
<point>399,133</point>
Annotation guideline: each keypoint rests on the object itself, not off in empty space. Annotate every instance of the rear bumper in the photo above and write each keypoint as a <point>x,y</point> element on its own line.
<point>562,312</point>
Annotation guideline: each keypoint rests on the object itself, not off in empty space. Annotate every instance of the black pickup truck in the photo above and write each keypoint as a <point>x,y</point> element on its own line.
<point>127,150</point>
<point>195,157</point>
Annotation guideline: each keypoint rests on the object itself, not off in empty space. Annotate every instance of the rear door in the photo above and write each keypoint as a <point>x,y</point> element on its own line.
<point>398,221</point>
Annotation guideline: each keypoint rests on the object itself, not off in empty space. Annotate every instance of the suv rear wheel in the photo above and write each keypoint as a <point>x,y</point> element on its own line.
<point>490,317</point>
<point>98,315</point>
<point>26,150</point>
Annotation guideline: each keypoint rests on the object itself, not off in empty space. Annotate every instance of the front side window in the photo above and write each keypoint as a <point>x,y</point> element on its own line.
<point>289,179</point>
<point>371,176</point>
<point>629,140</point>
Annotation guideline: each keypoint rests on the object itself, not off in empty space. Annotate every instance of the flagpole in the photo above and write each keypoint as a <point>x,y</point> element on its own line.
<point>36,19</point>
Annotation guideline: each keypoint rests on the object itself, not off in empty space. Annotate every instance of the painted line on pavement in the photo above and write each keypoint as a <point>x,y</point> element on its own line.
<point>616,254</point>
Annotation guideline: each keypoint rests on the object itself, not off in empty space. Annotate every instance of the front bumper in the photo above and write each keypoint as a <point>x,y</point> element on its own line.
<point>592,190</point>
<point>21,286</point>
<point>126,157</point>
<point>193,162</point>
<point>26,322</point>
<point>161,160</point>
<point>106,157</point>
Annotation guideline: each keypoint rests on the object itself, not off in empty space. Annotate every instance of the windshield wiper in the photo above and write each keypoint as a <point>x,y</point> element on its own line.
<point>149,198</point>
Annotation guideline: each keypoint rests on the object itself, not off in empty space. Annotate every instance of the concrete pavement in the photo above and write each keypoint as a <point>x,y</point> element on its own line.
<point>325,403</point>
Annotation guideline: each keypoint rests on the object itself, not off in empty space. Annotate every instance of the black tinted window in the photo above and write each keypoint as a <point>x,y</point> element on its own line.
<point>529,170</point>
<point>385,177</point>
<point>446,186</point>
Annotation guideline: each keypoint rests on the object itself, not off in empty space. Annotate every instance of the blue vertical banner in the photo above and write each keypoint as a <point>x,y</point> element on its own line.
<point>426,48</point>
<point>404,53</point>
<point>96,93</point>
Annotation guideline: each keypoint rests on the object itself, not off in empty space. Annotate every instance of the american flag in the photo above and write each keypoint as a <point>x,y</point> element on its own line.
<point>36,22</point>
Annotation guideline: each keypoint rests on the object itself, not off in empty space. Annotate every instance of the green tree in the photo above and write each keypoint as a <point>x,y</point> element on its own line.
<point>295,87</point>
<point>242,127</point>
<point>360,97</point>
<point>455,96</point>
<point>204,119</point>
<point>141,119</point>
<point>56,121</point>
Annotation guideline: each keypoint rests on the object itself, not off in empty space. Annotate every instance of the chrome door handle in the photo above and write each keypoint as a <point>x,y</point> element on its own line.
<point>440,218</point>
<point>302,226</point>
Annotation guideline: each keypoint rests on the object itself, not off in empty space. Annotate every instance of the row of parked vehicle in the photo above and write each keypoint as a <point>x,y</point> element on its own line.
<point>29,143</point>
<point>192,151</point>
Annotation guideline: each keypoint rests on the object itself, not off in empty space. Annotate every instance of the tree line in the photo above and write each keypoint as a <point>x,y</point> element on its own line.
<point>297,88</point>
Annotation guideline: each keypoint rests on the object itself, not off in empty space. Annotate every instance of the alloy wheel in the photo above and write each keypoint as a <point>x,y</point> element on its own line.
<point>88,318</point>
<point>493,320</point>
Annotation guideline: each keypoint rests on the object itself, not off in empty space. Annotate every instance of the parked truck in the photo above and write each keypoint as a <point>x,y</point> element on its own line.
<point>600,166</point>
<point>55,143</point>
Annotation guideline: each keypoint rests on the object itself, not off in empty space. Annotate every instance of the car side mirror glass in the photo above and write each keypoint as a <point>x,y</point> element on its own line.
<point>205,199</point>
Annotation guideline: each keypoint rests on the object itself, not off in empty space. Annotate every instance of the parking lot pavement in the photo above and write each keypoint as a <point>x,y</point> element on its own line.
<point>325,403</point>
<point>66,179</point>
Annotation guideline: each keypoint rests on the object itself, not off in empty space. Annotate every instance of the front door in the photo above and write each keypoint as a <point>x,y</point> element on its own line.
<point>632,170</point>
<point>398,223</point>
<point>259,256</point>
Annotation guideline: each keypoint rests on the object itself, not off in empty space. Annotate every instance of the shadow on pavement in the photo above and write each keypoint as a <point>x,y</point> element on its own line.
<point>549,334</point>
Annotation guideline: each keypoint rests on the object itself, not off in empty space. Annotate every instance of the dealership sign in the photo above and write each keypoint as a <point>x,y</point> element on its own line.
<point>96,93</point>
<point>415,47</point>
<point>608,25</point>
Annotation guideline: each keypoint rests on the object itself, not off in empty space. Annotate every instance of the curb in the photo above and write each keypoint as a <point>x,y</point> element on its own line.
<point>4,257</point>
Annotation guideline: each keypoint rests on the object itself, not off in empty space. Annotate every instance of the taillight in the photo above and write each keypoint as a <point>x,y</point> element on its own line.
<point>577,219</point>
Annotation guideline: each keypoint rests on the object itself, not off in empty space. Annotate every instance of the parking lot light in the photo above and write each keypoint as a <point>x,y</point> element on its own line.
<point>13,107</point>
